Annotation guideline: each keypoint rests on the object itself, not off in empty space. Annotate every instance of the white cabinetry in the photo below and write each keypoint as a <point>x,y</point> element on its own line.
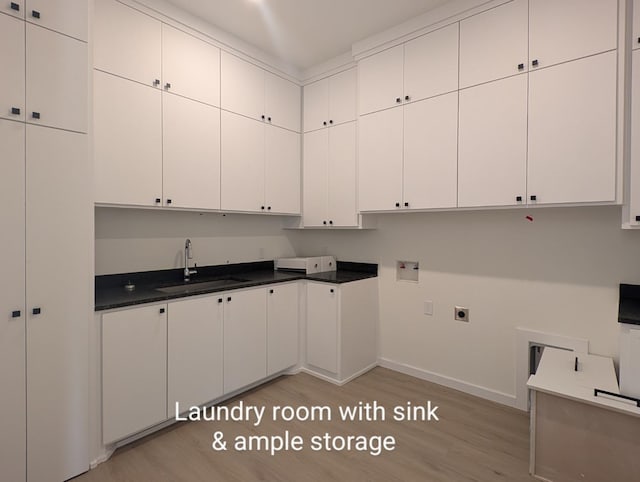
<point>14,8</point>
<point>408,156</point>
<point>635,33</point>
<point>631,212</point>
<point>330,101</point>
<point>248,90</point>
<point>194,352</point>
<point>12,80</point>
<point>134,370</point>
<point>342,323</point>
<point>282,327</point>
<point>245,338</point>
<point>421,68</point>
<point>260,169</point>
<point>68,17</point>
<point>330,177</point>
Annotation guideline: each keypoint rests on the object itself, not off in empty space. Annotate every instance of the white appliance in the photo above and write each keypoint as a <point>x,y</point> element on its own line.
<point>630,360</point>
<point>308,265</point>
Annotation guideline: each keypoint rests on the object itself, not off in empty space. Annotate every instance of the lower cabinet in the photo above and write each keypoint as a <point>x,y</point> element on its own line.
<point>134,370</point>
<point>282,327</point>
<point>342,323</point>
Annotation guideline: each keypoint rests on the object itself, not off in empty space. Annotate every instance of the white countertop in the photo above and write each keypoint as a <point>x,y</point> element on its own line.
<point>556,375</point>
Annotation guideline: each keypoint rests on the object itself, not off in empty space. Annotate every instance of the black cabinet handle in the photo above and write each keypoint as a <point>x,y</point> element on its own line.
<point>268,208</point>
<point>520,66</point>
<point>407,98</point>
<point>16,314</point>
<point>639,40</point>
<point>156,82</point>
<point>269,119</point>
<point>169,201</point>
<point>15,6</point>
<point>15,111</point>
<point>406,205</point>
<point>219,300</point>
<point>534,198</point>
<point>35,14</point>
<point>271,291</point>
<point>519,199</point>
<point>331,222</point>
<point>535,63</point>
<point>397,205</point>
<point>262,116</point>
<point>35,115</point>
<point>331,290</point>
<point>158,200</point>
<point>398,100</point>
<point>36,311</point>
<point>229,298</point>
<point>324,222</point>
<point>162,310</point>
<point>330,121</point>
<point>324,123</point>
<point>167,86</point>
<point>262,207</point>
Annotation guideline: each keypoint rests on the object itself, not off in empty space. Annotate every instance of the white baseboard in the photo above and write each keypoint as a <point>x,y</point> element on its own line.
<point>103,457</point>
<point>335,381</point>
<point>471,389</point>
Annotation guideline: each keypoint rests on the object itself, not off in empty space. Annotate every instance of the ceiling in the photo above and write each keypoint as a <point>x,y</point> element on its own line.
<point>305,33</point>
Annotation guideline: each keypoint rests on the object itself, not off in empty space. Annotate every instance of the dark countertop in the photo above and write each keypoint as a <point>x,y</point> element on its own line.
<point>110,292</point>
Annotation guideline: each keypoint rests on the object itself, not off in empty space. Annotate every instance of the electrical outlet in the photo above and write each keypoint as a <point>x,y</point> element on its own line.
<point>428,307</point>
<point>461,313</point>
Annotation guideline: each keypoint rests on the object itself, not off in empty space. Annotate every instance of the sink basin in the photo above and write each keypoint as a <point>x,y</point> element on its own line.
<point>202,286</point>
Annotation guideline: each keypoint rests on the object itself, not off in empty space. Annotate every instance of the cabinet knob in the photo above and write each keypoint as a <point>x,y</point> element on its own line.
<point>16,314</point>
<point>535,63</point>
<point>167,86</point>
<point>35,115</point>
<point>330,121</point>
<point>324,222</point>
<point>519,199</point>
<point>15,111</point>
<point>262,207</point>
<point>228,298</point>
<point>534,198</point>
<point>268,208</point>
<point>15,6</point>
<point>331,290</point>
<point>397,205</point>
<point>36,311</point>
<point>35,14</point>
<point>407,98</point>
<point>520,66</point>
<point>158,200</point>
<point>156,82</point>
<point>269,119</point>
<point>162,310</point>
<point>219,300</point>
<point>398,100</point>
<point>330,222</point>
<point>262,116</point>
<point>169,201</point>
<point>324,123</point>
<point>270,291</point>
<point>406,205</point>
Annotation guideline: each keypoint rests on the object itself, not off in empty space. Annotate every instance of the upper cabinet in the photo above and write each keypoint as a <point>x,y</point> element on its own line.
<point>330,101</point>
<point>635,34</point>
<point>64,16</point>
<point>248,90</point>
<point>127,42</point>
<point>493,44</point>
<point>419,69</point>
<point>12,52</point>
<point>14,8</point>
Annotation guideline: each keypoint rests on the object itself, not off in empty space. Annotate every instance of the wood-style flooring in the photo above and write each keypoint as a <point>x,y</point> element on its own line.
<point>474,439</point>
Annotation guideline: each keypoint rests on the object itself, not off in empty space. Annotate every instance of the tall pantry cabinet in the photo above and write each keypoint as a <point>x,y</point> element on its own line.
<point>46,238</point>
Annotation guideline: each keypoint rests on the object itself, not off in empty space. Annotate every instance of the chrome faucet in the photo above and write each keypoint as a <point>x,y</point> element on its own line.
<point>187,256</point>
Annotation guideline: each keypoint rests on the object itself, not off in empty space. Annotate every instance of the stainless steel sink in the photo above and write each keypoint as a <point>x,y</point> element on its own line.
<point>202,286</point>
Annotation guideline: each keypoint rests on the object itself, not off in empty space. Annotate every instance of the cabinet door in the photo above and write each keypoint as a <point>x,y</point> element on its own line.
<point>12,302</point>
<point>127,120</point>
<point>572,131</point>
<point>570,29</point>
<point>191,153</point>
<point>634,170</point>
<point>194,352</point>
<point>316,105</point>
<point>134,371</point>
<point>15,8</point>
<point>282,170</point>
<point>12,90</point>
<point>242,163</point>
<point>241,87</point>
<point>56,80</point>
<point>492,159</point>
<point>636,25</point>
<point>380,153</point>
<point>69,17</point>
<point>431,152</point>
<point>190,67</point>
<point>282,327</point>
<point>431,64</point>
<point>322,326</point>
<point>342,200</point>
<point>245,338</point>
<point>316,178</point>
<point>59,233</point>
<point>126,42</point>
<point>381,80</point>
<point>342,97</point>
<point>493,44</point>
<point>282,102</point>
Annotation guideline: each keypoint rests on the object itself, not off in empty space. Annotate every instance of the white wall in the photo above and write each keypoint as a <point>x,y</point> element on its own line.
<point>130,240</point>
<point>558,274</point>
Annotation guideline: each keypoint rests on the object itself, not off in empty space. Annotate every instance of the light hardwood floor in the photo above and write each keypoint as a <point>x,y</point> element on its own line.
<point>474,440</point>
